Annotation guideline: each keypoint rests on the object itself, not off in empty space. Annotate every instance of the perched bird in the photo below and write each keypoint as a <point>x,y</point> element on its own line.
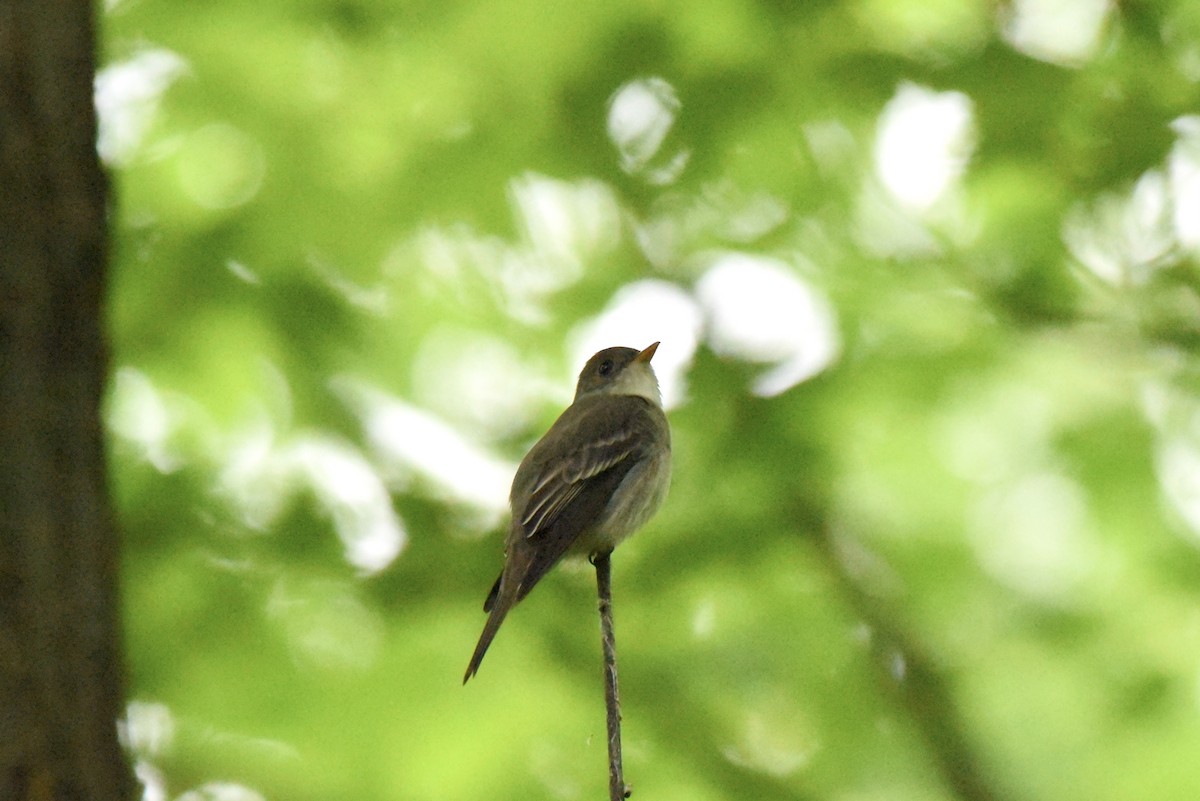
<point>595,477</point>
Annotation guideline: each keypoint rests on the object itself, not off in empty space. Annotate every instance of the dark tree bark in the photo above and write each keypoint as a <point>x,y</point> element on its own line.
<point>60,669</point>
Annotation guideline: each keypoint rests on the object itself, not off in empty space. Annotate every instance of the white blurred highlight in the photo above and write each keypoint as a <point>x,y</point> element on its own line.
<point>261,475</point>
<point>1183,171</point>
<point>924,142</point>
<point>1174,412</point>
<point>722,210</point>
<point>148,729</point>
<point>1122,239</point>
<point>640,115</point>
<point>127,96</point>
<point>412,442</point>
<point>222,791</point>
<point>564,227</point>
<point>140,414</point>
<point>567,224</point>
<point>1178,463</point>
<point>1065,32</point>
<point>478,383</point>
<point>260,472</point>
<point>759,310</point>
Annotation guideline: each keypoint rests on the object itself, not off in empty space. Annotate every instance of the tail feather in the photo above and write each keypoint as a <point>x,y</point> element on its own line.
<point>495,618</point>
<point>524,566</point>
<point>503,597</point>
<point>495,591</point>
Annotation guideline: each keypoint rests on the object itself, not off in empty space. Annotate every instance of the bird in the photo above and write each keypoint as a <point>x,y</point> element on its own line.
<point>595,477</point>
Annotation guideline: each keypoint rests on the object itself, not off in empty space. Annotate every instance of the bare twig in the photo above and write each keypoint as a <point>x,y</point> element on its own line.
<point>617,789</point>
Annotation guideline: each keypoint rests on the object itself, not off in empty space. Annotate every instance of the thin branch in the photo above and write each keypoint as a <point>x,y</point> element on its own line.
<point>617,789</point>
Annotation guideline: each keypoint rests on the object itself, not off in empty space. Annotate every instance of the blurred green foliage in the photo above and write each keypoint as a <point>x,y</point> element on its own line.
<point>958,561</point>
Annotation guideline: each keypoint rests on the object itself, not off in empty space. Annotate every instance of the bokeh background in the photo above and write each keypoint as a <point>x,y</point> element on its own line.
<point>927,278</point>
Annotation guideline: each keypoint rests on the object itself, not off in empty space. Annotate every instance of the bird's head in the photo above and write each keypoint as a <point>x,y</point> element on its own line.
<point>620,371</point>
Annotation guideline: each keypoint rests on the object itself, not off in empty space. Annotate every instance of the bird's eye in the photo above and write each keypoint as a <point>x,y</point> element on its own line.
<point>606,367</point>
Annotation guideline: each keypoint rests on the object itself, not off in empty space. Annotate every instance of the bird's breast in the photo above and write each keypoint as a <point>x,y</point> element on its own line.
<point>635,501</point>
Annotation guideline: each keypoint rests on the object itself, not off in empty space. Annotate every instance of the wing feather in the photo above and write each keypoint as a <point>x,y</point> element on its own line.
<point>561,480</point>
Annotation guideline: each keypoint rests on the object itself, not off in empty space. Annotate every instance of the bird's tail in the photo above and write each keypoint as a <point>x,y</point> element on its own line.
<point>495,618</point>
<point>503,597</point>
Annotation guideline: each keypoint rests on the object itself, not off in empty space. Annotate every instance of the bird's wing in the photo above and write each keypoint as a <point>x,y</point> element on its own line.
<point>562,481</point>
<point>603,441</point>
<point>567,494</point>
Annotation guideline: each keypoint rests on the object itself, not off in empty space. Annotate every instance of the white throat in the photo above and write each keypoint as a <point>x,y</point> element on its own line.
<point>637,379</point>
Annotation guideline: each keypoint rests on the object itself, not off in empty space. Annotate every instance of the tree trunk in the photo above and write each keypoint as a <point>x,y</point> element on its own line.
<point>60,669</point>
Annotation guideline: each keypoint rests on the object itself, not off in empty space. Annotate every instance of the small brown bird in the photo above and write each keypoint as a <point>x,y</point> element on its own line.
<point>598,474</point>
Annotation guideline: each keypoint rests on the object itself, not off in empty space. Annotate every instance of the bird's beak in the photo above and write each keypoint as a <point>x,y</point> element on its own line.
<point>646,355</point>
